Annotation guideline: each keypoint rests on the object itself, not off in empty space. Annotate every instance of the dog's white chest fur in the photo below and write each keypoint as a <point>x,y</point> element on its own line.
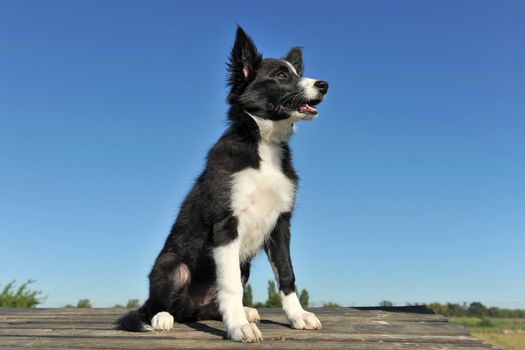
<point>259,196</point>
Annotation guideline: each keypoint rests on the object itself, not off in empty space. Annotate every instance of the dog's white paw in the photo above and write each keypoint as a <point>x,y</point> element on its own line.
<point>252,314</point>
<point>304,320</point>
<point>247,333</point>
<point>163,321</point>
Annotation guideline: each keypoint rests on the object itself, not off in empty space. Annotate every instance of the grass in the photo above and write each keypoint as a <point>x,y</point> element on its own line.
<point>23,296</point>
<point>510,341</point>
<point>506,333</point>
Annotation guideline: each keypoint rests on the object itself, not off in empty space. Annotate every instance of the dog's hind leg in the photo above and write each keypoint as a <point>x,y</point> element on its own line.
<point>168,280</point>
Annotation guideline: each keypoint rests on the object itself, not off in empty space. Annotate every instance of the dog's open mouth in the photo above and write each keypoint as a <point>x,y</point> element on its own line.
<point>305,107</point>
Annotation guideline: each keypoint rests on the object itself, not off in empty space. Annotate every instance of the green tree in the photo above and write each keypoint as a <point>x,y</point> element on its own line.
<point>274,299</point>
<point>304,298</point>
<point>386,303</point>
<point>84,304</point>
<point>22,297</point>
<point>477,309</point>
<point>133,304</point>
<point>439,308</point>
<point>247,297</point>
<point>456,309</point>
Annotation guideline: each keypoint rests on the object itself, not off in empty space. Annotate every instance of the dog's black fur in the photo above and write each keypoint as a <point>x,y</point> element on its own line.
<point>183,278</point>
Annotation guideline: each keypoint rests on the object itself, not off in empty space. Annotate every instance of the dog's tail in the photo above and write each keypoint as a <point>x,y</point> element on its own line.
<point>135,321</point>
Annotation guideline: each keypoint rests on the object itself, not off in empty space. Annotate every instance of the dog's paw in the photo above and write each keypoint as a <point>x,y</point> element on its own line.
<point>304,320</point>
<point>247,333</point>
<point>252,314</point>
<point>146,328</point>
<point>163,321</point>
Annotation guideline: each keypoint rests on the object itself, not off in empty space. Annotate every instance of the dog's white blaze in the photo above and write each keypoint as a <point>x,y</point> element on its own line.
<point>310,91</point>
<point>259,196</point>
<point>229,286</point>
<point>292,67</point>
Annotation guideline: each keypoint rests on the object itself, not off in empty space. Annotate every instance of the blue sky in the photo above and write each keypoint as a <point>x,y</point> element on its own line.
<point>412,178</point>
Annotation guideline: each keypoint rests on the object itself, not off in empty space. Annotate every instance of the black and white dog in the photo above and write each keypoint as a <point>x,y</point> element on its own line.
<point>242,201</point>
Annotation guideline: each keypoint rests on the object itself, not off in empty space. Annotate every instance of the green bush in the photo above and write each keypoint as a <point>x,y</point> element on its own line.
<point>133,304</point>
<point>386,303</point>
<point>84,304</point>
<point>485,323</point>
<point>22,296</point>
<point>331,304</point>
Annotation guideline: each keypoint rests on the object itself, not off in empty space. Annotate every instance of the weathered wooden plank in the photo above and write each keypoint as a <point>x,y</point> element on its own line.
<point>356,328</point>
<point>365,326</point>
<point>99,314</point>
<point>343,328</point>
<point>269,335</point>
<point>334,322</point>
<point>163,343</point>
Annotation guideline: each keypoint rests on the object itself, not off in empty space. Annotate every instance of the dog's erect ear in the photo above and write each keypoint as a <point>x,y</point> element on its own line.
<point>244,61</point>
<point>295,57</point>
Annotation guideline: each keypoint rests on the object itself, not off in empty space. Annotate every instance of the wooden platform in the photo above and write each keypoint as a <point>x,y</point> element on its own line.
<point>343,328</point>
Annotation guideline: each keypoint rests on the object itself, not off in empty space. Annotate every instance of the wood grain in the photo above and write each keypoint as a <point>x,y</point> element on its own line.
<point>343,328</point>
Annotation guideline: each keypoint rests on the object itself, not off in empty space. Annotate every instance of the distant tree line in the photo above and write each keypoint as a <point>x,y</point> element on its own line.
<point>25,297</point>
<point>475,309</point>
<point>86,304</point>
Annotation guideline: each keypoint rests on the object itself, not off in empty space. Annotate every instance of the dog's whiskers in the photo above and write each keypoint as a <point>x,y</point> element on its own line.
<point>293,96</point>
<point>287,95</point>
<point>297,98</point>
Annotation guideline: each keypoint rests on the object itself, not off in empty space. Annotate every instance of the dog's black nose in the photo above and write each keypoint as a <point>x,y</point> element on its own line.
<point>322,86</point>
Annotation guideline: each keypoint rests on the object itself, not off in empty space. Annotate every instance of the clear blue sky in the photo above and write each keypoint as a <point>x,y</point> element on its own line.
<point>412,178</point>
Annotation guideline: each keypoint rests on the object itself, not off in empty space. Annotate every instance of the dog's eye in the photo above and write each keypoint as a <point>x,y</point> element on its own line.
<point>282,75</point>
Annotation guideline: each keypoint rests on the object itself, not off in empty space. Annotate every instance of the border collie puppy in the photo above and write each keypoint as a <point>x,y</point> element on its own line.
<point>242,202</point>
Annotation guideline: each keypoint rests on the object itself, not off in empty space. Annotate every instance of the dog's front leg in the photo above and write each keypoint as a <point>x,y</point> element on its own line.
<point>278,251</point>
<point>229,294</point>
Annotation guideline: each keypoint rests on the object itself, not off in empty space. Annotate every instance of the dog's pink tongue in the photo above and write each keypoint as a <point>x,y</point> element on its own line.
<point>307,108</point>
